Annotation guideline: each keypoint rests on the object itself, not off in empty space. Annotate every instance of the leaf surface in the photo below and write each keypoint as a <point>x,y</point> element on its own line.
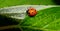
<point>45,20</point>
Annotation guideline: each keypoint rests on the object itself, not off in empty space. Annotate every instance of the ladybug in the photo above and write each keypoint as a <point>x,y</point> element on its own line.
<point>31,12</point>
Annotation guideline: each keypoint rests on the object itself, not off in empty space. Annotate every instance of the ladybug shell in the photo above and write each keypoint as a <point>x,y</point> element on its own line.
<point>31,12</point>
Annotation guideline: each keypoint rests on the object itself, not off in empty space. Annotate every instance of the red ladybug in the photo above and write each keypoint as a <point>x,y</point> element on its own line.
<point>31,12</point>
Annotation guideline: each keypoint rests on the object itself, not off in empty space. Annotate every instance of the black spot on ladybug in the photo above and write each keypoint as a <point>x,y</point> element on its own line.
<point>35,10</point>
<point>32,12</point>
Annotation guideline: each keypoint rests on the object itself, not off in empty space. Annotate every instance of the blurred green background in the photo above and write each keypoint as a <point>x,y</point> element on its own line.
<point>7,3</point>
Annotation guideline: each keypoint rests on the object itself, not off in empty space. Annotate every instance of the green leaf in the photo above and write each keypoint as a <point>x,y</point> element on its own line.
<point>45,20</point>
